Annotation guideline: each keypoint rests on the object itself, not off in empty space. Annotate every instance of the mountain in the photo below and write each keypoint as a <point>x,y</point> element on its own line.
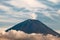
<point>33,26</point>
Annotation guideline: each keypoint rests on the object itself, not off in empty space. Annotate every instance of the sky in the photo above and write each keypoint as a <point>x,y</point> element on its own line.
<point>13,12</point>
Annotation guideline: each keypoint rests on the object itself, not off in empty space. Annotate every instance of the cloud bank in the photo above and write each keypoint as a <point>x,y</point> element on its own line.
<point>15,11</point>
<point>20,35</point>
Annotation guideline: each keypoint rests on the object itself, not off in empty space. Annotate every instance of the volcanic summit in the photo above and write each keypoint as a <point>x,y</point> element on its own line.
<point>33,26</point>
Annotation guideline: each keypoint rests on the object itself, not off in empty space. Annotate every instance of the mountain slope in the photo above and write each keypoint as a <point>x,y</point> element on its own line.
<point>33,26</point>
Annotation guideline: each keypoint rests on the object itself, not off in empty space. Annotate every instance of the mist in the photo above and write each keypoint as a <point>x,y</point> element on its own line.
<point>20,35</point>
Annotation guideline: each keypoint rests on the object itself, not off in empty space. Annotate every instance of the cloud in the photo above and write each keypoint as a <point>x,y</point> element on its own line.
<point>5,18</point>
<point>4,7</point>
<point>54,1</point>
<point>48,15</point>
<point>26,3</point>
<point>17,10</point>
<point>58,31</point>
<point>20,35</point>
<point>9,20</point>
<point>58,11</point>
<point>19,6</point>
<point>33,16</point>
<point>2,16</point>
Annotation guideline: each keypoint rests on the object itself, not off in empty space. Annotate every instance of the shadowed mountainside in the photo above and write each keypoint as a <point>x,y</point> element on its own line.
<point>33,26</point>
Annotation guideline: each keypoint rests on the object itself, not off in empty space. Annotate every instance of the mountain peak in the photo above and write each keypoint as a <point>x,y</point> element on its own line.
<point>32,20</point>
<point>33,26</point>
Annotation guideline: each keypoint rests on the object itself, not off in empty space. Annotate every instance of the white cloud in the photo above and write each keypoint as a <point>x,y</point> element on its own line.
<point>33,16</point>
<point>57,15</point>
<point>58,31</point>
<point>2,29</point>
<point>54,1</point>
<point>11,20</point>
<point>58,11</point>
<point>4,7</point>
<point>20,15</point>
<point>1,16</point>
<point>8,19</point>
<point>27,3</point>
<point>20,35</point>
<point>48,15</point>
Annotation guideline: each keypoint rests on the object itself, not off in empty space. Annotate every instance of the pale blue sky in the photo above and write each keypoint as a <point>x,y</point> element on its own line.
<point>15,11</point>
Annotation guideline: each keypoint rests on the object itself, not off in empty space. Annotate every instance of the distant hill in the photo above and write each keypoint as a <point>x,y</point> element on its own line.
<point>33,26</point>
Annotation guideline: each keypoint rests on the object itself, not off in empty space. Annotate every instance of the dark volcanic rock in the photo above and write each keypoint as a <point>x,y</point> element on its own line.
<point>33,26</point>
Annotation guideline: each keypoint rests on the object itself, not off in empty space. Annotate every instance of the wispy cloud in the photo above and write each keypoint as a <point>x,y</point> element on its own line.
<point>54,1</point>
<point>58,11</point>
<point>17,10</point>
<point>9,20</point>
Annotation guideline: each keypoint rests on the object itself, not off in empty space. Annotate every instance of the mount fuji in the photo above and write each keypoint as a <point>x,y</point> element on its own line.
<point>33,26</point>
